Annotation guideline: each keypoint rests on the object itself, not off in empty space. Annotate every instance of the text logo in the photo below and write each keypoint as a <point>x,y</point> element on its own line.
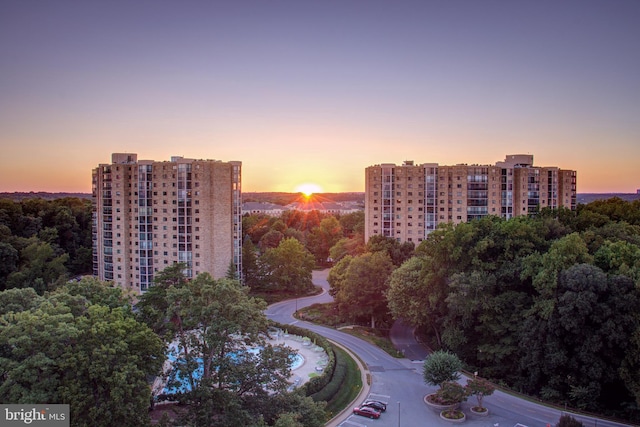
<point>34,415</point>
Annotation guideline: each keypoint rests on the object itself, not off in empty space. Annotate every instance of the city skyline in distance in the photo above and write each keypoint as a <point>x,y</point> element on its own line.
<point>313,93</point>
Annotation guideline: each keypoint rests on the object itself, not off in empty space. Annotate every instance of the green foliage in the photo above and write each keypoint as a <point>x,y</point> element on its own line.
<point>17,300</point>
<point>359,286</point>
<point>347,246</point>
<point>397,252</point>
<point>323,237</point>
<point>417,295</point>
<point>441,366</point>
<point>79,345</point>
<point>107,369</point>
<point>153,305</point>
<point>630,366</point>
<point>271,239</point>
<point>587,335</point>
<point>43,241</point>
<point>211,322</point>
<point>40,268</point>
<point>250,268</point>
<point>543,304</point>
<point>480,388</point>
<point>289,266</point>
<point>450,393</point>
<point>344,385</point>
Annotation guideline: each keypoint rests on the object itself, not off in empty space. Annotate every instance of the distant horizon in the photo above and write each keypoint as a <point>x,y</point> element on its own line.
<point>280,192</point>
<point>308,94</point>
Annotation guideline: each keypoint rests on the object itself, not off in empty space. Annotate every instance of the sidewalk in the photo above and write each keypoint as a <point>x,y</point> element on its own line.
<point>315,359</point>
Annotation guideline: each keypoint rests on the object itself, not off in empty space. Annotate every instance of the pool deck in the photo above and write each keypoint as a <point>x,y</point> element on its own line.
<point>315,358</point>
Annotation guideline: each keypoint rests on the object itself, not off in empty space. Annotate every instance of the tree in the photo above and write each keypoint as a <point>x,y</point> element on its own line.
<point>347,246</point>
<point>34,348</point>
<point>289,266</point>
<point>215,322</point>
<point>271,239</point>
<point>398,252</point>
<point>18,300</point>
<point>352,224</point>
<point>450,393</point>
<point>441,366</point>
<point>153,306</point>
<point>585,339</point>
<point>63,347</point>
<point>417,295</point>
<point>41,268</point>
<point>8,261</point>
<point>545,269</point>
<point>255,226</point>
<point>323,237</point>
<point>107,369</point>
<point>630,367</point>
<point>479,387</point>
<point>250,270</point>
<point>276,408</point>
<point>232,271</point>
<point>360,292</point>
<point>94,292</point>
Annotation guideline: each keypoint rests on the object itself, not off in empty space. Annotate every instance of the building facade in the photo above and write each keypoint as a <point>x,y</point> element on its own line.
<point>151,214</point>
<point>408,202</point>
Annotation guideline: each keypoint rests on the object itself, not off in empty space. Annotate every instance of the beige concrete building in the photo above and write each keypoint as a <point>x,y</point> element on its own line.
<point>150,214</point>
<point>407,202</point>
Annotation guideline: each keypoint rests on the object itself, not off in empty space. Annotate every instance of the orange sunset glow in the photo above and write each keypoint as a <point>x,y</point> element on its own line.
<point>308,189</point>
<point>308,94</point>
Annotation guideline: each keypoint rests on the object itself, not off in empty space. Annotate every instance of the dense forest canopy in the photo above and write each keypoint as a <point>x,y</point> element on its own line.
<point>546,305</point>
<point>44,242</point>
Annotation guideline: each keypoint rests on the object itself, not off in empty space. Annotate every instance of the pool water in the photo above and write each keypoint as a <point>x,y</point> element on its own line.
<point>296,361</point>
<point>183,384</point>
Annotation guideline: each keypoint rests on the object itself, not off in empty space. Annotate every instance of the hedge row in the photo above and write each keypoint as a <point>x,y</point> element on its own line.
<point>350,387</point>
<point>336,383</point>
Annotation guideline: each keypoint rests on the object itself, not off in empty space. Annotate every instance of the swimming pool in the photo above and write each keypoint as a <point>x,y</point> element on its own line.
<point>182,384</point>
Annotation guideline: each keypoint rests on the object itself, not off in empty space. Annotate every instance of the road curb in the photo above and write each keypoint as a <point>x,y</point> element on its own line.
<point>364,391</point>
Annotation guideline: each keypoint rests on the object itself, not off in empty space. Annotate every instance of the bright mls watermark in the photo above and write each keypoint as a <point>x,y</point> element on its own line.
<point>34,415</point>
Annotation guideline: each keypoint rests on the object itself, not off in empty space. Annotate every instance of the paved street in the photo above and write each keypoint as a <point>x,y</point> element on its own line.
<point>399,381</point>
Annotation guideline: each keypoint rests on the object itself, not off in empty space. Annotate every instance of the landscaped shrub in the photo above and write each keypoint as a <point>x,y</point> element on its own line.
<point>332,387</point>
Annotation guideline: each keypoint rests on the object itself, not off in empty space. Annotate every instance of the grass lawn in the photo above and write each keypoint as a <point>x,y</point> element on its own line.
<point>326,314</point>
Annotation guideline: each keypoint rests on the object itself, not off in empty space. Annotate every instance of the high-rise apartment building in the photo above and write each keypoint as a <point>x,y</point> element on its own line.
<point>407,202</point>
<point>150,214</point>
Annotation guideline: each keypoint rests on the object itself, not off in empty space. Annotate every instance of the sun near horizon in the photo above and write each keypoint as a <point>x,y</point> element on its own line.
<point>308,189</point>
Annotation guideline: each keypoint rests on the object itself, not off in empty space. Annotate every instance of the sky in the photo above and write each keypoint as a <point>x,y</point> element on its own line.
<point>316,91</point>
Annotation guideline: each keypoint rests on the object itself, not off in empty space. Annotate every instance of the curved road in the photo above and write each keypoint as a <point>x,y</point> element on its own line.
<point>399,381</point>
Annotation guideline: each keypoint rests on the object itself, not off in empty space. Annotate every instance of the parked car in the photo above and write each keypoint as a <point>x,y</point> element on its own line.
<point>367,411</point>
<point>375,404</point>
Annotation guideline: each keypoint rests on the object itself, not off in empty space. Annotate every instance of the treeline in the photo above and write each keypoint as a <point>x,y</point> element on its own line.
<point>548,306</point>
<point>44,242</point>
<point>281,198</point>
<point>279,253</point>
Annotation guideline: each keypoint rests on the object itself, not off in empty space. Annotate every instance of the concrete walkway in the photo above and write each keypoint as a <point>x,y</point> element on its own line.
<point>315,359</point>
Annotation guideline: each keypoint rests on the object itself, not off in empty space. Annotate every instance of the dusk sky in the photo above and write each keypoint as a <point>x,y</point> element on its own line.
<point>316,91</point>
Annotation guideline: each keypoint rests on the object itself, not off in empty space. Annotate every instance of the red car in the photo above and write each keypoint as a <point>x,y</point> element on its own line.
<point>367,411</point>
